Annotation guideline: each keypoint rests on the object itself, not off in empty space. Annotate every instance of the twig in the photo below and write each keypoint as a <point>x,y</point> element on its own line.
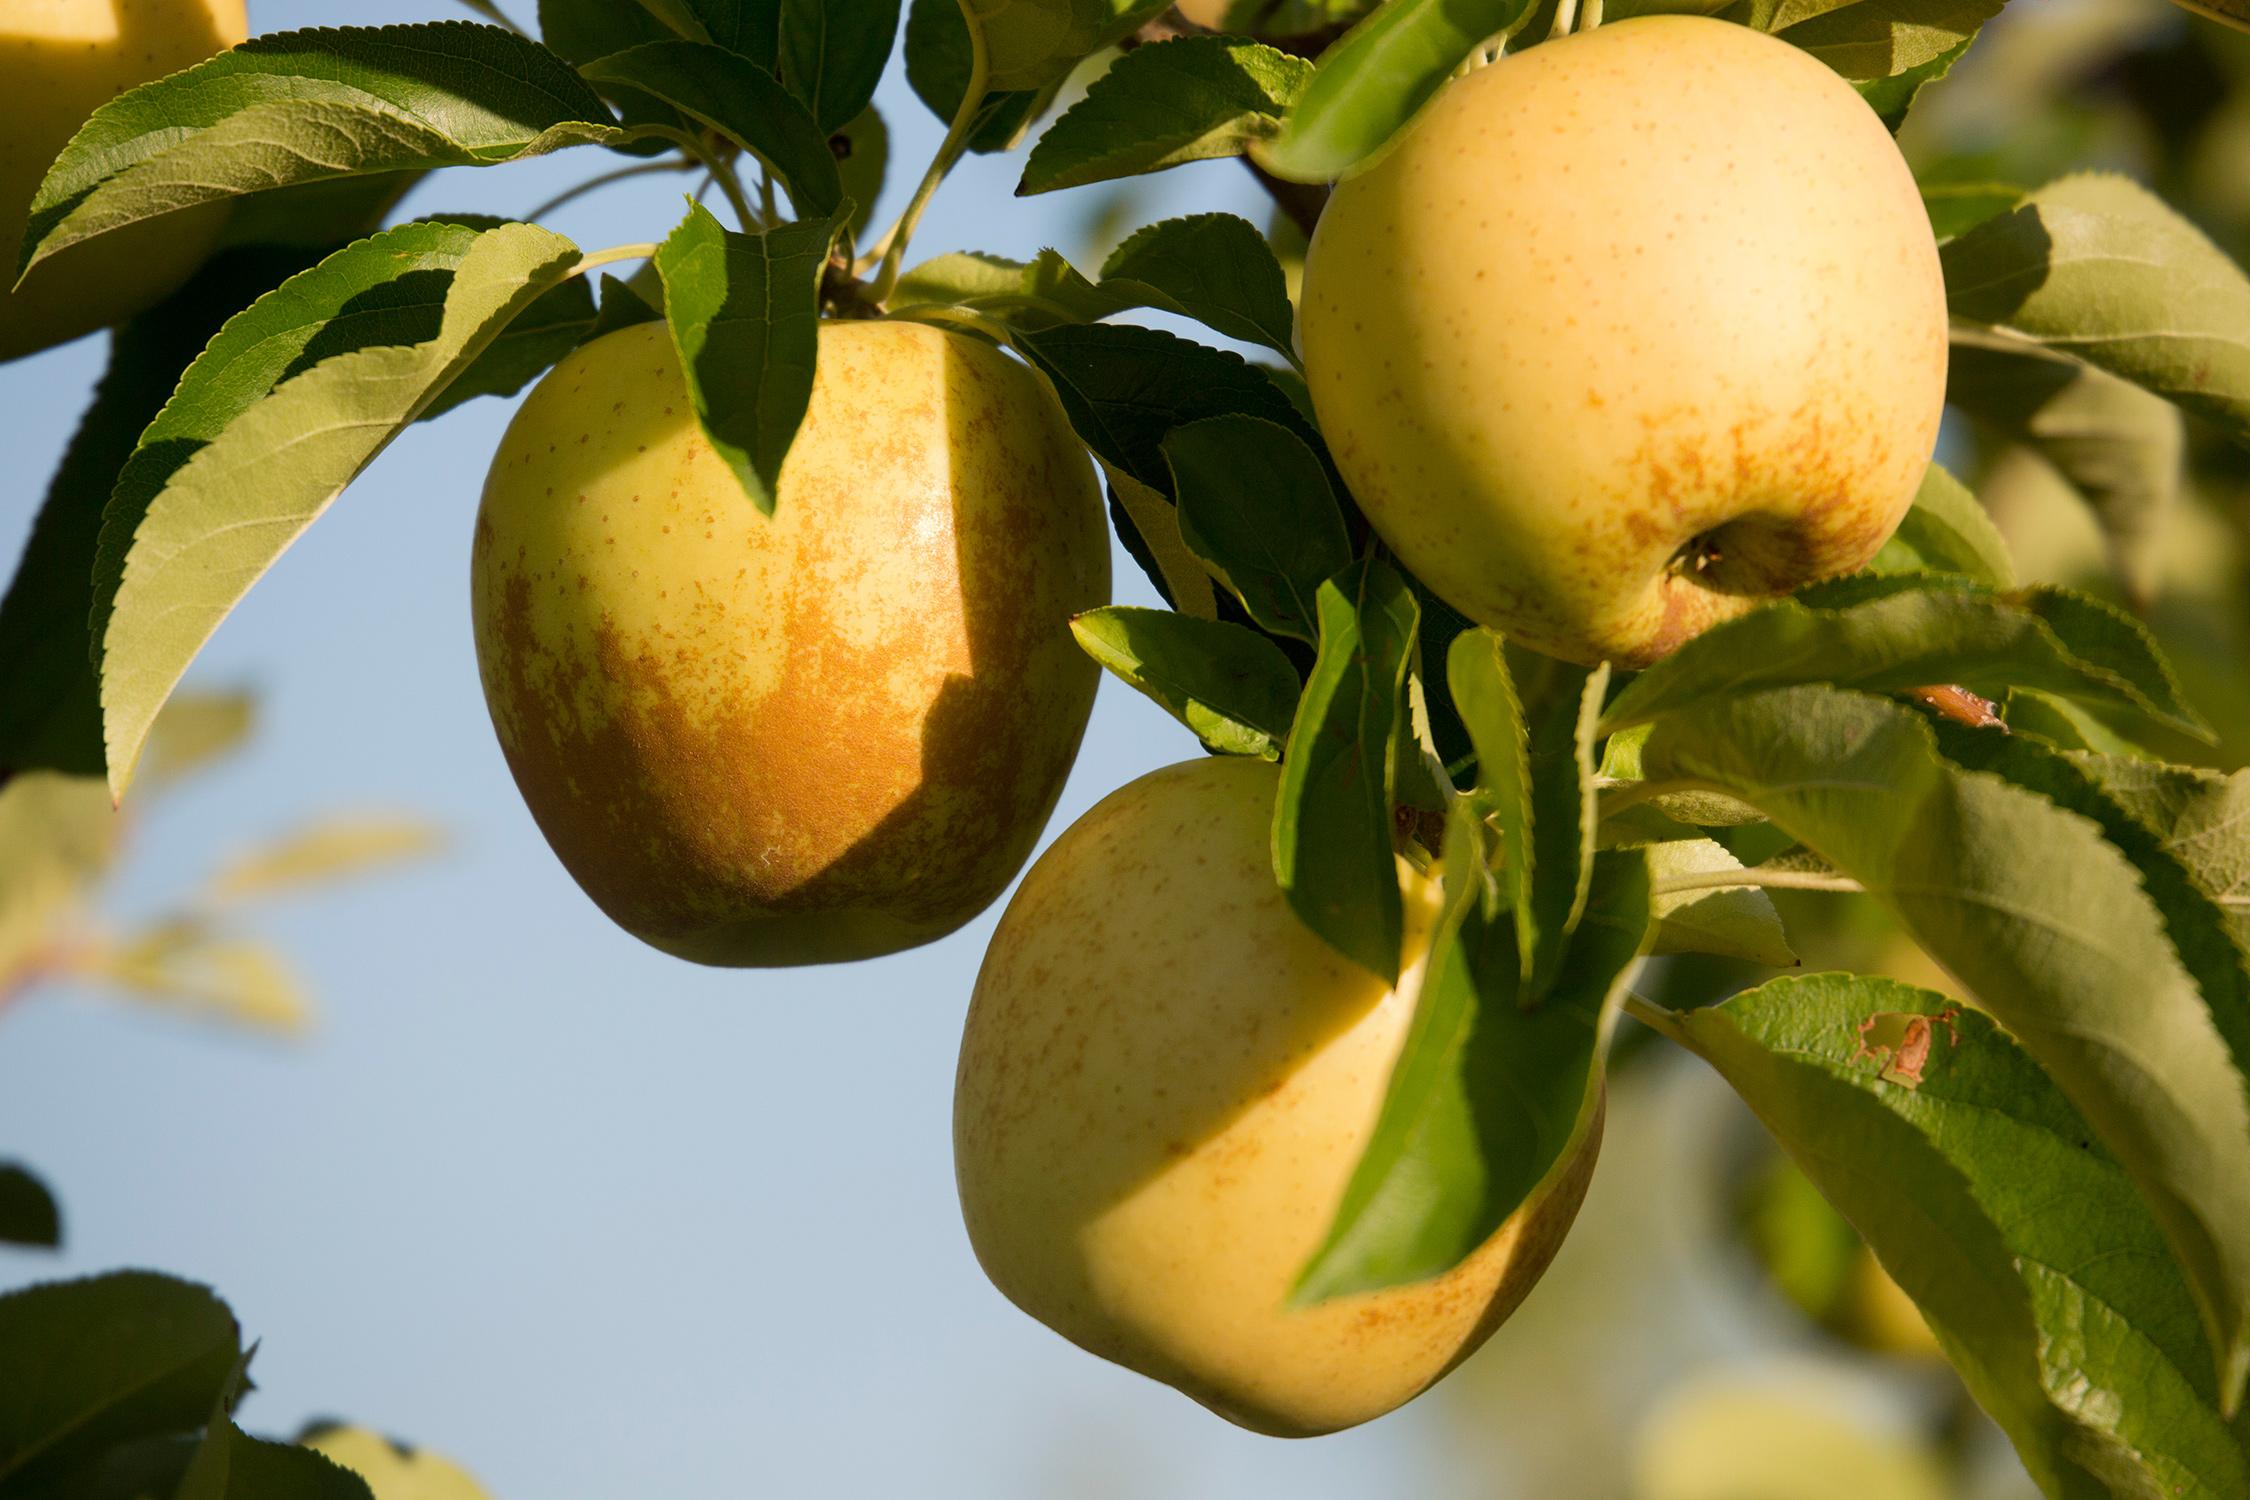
<point>892,247</point>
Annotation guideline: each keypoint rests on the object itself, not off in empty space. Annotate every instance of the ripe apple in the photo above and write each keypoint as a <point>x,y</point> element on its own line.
<point>393,1472</point>
<point>1629,332</point>
<point>60,60</point>
<point>819,736</point>
<point>1165,1083</point>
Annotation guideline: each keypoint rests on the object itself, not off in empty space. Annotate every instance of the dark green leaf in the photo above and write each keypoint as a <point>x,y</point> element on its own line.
<point>745,313</point>
<point>1033,43</point>
<point>2043,920</point>
<point>1893,95</point>
<point>863,156</point>
<point>28,1214</point>
<point>627,303</point>
<point>1256,506</point>
<point>1215,268</point>
<point>1333,845</point>
<point>231,1465</point>
<point>1491,1099</point>
<point>1189,99</point>
<point>742,102</point>
<point>937,67</point>
<point>1226,682</point>
<point>1951,1153</point>
<point>87,1364</point>
<point>1125,388</point>
<point>306,106</point>
<point>583,30</point>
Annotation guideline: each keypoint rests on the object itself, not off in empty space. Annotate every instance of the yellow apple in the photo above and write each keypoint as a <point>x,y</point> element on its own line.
<point>393,1472</point>
<point>1629,332</point>
<point>60,60</point>
<point>1165,1083</point>
<point>819,736</point>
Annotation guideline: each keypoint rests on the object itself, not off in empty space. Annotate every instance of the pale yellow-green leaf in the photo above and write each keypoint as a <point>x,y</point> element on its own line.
<point>1733,921</point>
<point>234,507</point>
<point>182,964</point>
<point>194,730</point>
<point>57,835</point>
<point>332,849</point>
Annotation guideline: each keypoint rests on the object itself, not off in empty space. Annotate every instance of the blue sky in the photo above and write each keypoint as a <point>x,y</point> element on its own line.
<point>594,1221</point>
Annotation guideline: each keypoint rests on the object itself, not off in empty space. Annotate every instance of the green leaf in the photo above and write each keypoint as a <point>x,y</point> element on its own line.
<point>557,321</point>
<point>1256,506</point>
<point>2201,817</point>
<point>2099,268</point>
<point>1947,531</point>
<point>863,156</point>
<point>1024,296</point>
<point>1215,268</point>
<point>1894,634</point>
<point>229,1464</point>
<point>728,93</point>
<point>1492,1099</point>
<point>28,1212</point>
<point>1891,96</point>
<point>1955,208</point>
<point>829,52</point>
<point>1371,83</point>
<point>88,1364</point>
<point>582,30</point>
<point>1126,388</point>
<point>2043,920</point>
<point>1032,43</point>
<point>1226,682</point>
<point>58,835</point>
<point>306,106</point>
<point>264,453</point>
<point>745,314</point>
<point>1476,669</point>
<point>1188,99</point>
<point>937,68</point>
<point>2118,445</point>
<point>1332,823</point>
<point>1943,1143</point>
<point>1564,811</point>
<point>1732,921</point>
<point>1884,39</point>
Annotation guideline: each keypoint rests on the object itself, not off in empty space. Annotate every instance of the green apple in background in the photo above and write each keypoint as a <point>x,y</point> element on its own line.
<point>1165,1082</point>
<point>60,60</point>
<point>1628,333</point>
<point>809,738</point>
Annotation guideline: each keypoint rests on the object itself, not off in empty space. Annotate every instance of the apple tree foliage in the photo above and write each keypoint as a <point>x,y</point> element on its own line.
<point>2059,1176</point>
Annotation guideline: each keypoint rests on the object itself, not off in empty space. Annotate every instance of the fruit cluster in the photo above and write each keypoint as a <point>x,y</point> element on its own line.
<point>1628,334</point>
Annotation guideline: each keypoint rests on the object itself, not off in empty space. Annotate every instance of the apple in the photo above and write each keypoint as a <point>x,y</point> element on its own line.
<point>1629,332</point>
<point>392,1471</point>
<point>828,734</point>
<point>60,60</point>
<point>1165,1082</point>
